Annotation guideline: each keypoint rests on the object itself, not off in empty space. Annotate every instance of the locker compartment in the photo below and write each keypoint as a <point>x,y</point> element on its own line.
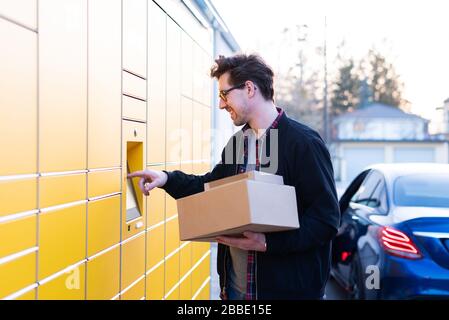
<point>61,189</point>
<point>199,249</point>
<point>21,11</point>
<point>133,200</point>
<point>30,295</point>
<point>133,260</point>
<point>103,182</point>
<point>200,274</point>
<point>187,168</point>
<point>105,80</point>
<point>134,109</point>
<point>62,239</point>
<point>185,289</point>
<point>199,72</point>
<point>204,293</point>
<point>187,65</point>
<point>172,276</point>
<point>104,224</point>
<point>171,208</point>
<point>62,108</point>
<point>17,235</point>
<point>17,274</point>
<point>206,139</point>
<point>171,236</point>
<point>155,284</point>
<point>18,101</point>
<point>155,246</point>
<point>134,86</point>
<point>156,203</point>
<point>18,196</point>
<point>186,259</point>
<point>197,135</point>
<point>103,276</point>
<point>207,80</point>
<point>68,286</point>
<point>134,36</point>
<point>187,129</point>
<point>136,292</point>
<point>156,83</point>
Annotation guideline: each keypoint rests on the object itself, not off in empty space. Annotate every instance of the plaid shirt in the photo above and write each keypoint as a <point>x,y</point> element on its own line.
<point>251,266</point>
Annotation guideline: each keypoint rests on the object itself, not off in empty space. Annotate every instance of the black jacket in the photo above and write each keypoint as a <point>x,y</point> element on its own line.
<point>296,264</point>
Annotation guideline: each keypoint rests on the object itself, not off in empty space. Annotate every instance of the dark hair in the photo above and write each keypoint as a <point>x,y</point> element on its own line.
<point>242,67</point>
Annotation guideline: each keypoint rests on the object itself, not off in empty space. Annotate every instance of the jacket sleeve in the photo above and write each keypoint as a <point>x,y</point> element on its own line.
<point>316,198</point>
<point>180,184</point>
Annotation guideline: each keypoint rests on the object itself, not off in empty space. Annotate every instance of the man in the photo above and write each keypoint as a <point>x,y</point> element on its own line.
<point>280,265</point>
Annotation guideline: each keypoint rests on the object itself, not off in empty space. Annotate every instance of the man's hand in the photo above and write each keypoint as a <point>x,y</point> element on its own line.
<point>149,179</point>
<point>251,241</point>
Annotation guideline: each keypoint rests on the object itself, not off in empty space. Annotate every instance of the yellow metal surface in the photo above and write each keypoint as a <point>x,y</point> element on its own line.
<point>103,182</point>
<point>103,276</point>
<point>155,284</point>
<point>62,85</point>
<point>136,292</point>
<point>172,276</point>
<point>55,190</point>
<point>62,239</point>
<point>156,203</point>
<point>186,259</point>
<point>18,196</point>
<point>18,98</point>
<point>17,235</point>
<point>104,224</point>
<point>154,247</point>
<point>104,94</point>
<point>68,286</point>
<point>185,289</point>
<point>171,236</point>
<point>17,274</point>
<point>30,295</point>
<point>133,260</point>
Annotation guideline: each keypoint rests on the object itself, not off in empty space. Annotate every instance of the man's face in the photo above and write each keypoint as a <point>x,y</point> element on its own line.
<point>236,101</point>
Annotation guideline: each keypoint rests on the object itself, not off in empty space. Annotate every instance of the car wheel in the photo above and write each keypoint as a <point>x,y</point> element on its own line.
<point>356,280</point>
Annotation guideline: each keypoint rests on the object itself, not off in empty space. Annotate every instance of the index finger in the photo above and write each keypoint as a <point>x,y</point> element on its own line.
<point>136,174</point>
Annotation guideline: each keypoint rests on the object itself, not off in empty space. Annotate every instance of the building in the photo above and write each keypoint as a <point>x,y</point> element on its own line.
<point>91,89</point>
<point>379,133</point>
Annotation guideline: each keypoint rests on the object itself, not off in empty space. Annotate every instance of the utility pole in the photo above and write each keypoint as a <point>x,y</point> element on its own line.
<point>325,106</point>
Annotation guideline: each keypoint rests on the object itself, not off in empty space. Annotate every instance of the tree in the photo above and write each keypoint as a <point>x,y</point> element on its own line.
<point>383,81</point>
<point>346,93</point>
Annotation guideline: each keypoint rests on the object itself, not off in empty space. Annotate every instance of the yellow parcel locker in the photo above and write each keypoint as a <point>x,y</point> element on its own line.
<point>17,235</point>
<point>172,277</point>
<point>62,239</point>
<point>17,274</point>
<point>186,259</point>
<point>18,196</point>
<point>55,190</point>
<point>104,224</point>
<point>136,292</point>
<point>187,65</point>
<point>171,236</point>
<point>155,283</point>
<point>133,260</point>
<point>30,295</point>
<point>187,129</point>
<point>105,79</point>
<point>135,109</point>
<point>185,289</point>
<point>101,183</point>
<point>155,246</point>
<point>200,274</point>
<point>18,98</point>
<point>62,85</point>
<point>134,86</point>
<point>103,275</point>
<point>67,286</point>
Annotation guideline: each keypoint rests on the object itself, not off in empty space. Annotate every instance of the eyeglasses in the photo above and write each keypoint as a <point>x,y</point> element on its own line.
<point>223,93</point>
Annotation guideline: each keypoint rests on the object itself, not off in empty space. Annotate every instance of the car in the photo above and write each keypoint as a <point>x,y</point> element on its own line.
<point>393,241</point>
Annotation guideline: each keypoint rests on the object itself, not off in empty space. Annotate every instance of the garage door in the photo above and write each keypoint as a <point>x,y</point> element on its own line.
<point>414,155</point>
<point>358,158</point>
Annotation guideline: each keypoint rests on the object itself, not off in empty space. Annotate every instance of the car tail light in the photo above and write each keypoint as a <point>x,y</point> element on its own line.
<point>397,243</point>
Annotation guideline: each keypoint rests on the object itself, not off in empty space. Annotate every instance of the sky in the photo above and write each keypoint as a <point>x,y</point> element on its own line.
<point>412,34</point>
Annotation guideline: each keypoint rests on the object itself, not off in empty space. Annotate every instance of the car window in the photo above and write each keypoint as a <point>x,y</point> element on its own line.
<point>379,198</point>
<point>363,195</point>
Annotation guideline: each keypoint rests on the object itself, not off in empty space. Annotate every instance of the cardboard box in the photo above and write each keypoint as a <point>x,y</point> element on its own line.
<point>252,201</point>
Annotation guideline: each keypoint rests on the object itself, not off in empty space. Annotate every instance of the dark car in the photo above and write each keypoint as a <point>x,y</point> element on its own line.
<point>393,242</point>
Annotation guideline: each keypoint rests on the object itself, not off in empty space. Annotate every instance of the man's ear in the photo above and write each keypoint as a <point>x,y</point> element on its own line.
<point>251,88</point>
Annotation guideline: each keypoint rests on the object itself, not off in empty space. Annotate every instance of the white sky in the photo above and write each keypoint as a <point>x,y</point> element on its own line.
<point>417,33</point>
